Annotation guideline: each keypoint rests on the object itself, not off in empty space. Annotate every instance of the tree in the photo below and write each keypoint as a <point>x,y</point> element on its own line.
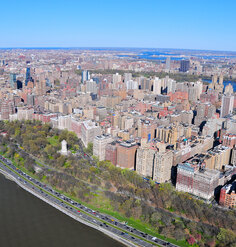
<point>155,218</point>
<point>191,240</point>
<point>226,237</point>
<point>89,149</point>
<point>179,234</point>
<point>71,139</point>
<point>61,160</point>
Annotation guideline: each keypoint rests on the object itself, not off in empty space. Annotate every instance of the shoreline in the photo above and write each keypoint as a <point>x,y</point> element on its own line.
<point>104,231</point>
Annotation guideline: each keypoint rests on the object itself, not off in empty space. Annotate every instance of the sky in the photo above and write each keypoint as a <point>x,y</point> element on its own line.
<point>184,24</point>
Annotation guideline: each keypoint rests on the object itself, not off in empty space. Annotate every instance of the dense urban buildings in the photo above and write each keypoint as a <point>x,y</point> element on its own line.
<point>162,119</point>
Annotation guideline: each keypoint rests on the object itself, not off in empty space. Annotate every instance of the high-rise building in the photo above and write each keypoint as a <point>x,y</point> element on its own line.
<point>233,156</point>
<point>204,111</point>
<point>168,61</point>
<point>218,157</point>
<point>88,131</point>
<point>214,79</point>
<point>27,76</point>
<point>126,152</point>
<point>229,89</point>
<point>227,105</point>
<point>145,161</point>
<point>170,85</point>
<point>162,165</point>
<point>228,195</point>
<point>91,87</point>
<point>40,87</point>
<point>99,146</point>
<point>85,75</point>
<point>157,86</point>
<point>5,111</point>
<point>215,85</point>
<point>131,85</point>
<point>184,65</point>
<point>221,79</point>
<point>111,152</point>
<point>101,112</point>
<point>229,140</point>
<point>127,77</point>
<point>186,117</point>
<point>154,161</point>
<point>198,181</point>
<point>12,80</point>
<point>116,78</point>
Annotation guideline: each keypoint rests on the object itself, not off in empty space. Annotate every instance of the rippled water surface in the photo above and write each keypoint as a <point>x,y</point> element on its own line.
<point>26,221</point>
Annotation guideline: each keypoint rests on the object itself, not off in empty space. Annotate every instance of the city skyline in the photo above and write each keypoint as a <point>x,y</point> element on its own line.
<point>124,24</point>
<point>101,124</point>
<point>120,115</point>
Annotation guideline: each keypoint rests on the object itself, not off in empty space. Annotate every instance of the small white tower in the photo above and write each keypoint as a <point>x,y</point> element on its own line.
<point>64,150</point>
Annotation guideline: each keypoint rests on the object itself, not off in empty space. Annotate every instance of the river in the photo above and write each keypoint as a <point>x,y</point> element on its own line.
<point>26,221</point>
<point>233,83</point>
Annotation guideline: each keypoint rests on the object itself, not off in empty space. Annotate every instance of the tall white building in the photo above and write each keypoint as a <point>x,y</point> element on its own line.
<point>171,85</point>
<point>157,86</point>
<point>88,132</point>
<point>127,77</point>
<point>91,86</point>
<point>227,105</point>
<point>99,146</point>
<point>116,78</point>
<point>168,63</point>
<point>131,85</point>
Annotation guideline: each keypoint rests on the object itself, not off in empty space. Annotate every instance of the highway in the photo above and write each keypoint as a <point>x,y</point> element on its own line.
<point>110,226</point>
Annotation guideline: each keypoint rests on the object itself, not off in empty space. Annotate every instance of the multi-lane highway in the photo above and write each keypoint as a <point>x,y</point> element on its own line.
<point>118,230</point>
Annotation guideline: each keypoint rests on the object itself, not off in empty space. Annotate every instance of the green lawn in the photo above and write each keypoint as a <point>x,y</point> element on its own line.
<point>38,163</point>
<point>54,141</point>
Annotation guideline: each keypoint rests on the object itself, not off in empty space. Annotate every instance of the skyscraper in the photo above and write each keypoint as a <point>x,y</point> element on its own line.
<point>40,87</point>
<point>168,63</point>
<point>91,86</point>
<point>12,80</point>
<point>227,105</point>
<point>127,77</point>
<point>184,65</point>
<point>116,78</point>
<point>157,86</point>
<point>27,76</point>
<point>85,75</point>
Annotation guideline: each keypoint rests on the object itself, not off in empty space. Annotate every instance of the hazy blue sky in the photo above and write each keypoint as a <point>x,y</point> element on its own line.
<point>196,24</point>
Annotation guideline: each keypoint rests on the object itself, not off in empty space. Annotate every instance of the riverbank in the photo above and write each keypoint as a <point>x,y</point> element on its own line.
<point>104,231</point>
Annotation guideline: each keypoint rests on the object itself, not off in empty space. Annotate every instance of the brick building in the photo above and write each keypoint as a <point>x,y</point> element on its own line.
<point>228,195</point>
<point>197,180</point>
<point>229,140</point>
<point>126,154</point>
<point>111,152</point>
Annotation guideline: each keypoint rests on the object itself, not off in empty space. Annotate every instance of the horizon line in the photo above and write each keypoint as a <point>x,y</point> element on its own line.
<point>107,47</point>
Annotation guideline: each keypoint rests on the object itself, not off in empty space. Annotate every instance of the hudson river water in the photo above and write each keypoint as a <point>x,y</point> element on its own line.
<point>26,221</point>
